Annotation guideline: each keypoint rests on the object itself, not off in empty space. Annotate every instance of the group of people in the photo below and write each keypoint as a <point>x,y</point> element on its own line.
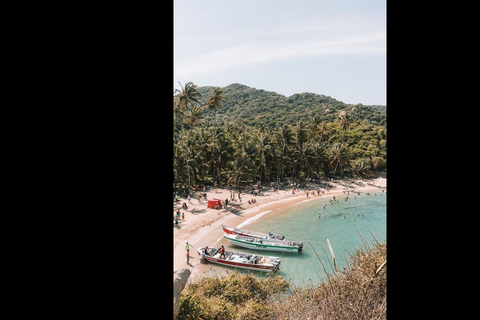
<point>204,253</point>
<point>177,217</point>
<point>232,195</point>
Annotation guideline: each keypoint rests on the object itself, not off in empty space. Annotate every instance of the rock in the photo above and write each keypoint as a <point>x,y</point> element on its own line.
<point>180,278</point>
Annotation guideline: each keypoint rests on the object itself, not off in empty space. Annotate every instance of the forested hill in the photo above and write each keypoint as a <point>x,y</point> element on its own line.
<point>253,107</point>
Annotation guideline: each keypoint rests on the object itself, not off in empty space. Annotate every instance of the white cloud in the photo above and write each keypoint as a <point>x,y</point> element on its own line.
<point>372,43</point>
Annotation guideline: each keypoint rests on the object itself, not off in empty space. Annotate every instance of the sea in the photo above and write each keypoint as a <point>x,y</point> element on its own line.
<point>358,221</point>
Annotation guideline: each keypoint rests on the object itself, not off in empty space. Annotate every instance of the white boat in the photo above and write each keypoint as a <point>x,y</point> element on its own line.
<point>241,260</point>
<point>249,233</point>
<point>264,244</point>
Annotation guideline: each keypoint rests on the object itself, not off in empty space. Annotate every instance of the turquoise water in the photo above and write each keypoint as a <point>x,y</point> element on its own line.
<point>343,223</point>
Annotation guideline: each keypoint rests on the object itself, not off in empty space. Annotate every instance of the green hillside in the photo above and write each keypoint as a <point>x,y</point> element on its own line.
<point>252,107</point>
<point>263,136</point>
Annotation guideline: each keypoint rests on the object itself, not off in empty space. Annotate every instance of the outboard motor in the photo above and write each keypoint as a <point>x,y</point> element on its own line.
<point>300,246</point>
<point>276,263</point>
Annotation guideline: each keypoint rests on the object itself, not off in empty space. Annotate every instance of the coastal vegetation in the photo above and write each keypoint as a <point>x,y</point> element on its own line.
<point>356,292</point>
<point>240,135</point>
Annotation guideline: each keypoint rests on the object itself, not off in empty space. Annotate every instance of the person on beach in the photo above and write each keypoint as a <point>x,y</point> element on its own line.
<point>187,247</point>
<point>176,222</point>
<point>202,257</point>
<point>222,252</point>
<point>183,215</point>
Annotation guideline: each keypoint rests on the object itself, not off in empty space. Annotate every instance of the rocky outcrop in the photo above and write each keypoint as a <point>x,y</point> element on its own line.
<point>180,278</point>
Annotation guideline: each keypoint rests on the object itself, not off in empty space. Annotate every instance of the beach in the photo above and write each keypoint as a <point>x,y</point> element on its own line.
<point>203,226</point>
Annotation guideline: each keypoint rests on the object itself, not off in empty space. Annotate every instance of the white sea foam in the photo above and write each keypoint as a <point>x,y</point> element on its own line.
<point>218,240</point>
<point>304,201</point>
<point>252,219</point>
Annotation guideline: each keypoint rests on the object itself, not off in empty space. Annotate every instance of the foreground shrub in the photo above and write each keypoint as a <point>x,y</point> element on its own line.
<point>358,292</point>
<point>236,296</point>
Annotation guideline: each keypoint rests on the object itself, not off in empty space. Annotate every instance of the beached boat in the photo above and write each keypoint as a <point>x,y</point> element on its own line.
<point>241,260</point>
<point>248,233</point>
<point>264,244</point>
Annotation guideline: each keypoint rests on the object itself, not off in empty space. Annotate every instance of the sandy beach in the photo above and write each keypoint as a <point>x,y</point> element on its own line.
<point>203,226</point>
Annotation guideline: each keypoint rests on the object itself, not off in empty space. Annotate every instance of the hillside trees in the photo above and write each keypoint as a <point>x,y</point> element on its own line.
<point>236,153</point>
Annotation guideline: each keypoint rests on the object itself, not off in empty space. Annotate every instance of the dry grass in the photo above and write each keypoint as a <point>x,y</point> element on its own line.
<point>358,292</point>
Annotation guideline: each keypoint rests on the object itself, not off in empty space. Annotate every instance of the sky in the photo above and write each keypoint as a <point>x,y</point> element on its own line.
<point>336,48</point>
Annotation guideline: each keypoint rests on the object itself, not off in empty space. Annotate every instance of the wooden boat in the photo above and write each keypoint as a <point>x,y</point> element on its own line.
<point>264,244</point>
<point>253,234</point>
<point>241,260</point>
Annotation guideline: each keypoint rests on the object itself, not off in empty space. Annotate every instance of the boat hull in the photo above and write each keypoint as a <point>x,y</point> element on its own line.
<point>260,244</point>
<point>273,267</point>
<point>247,233</point>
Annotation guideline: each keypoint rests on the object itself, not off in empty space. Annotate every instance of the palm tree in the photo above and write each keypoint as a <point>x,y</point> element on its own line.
<point>361,168</point>
<point>214,103</point>
<point>339,156</point>
<point>239,172</point>
<point>316,126</point>
<point>263,146</point>
<point>344,123</point>
<point>284,141</point>
<point>184,102</point>
<point>188,96</point>
<point>300,137</point>
<point>316,156</point>
<point>193,117</point>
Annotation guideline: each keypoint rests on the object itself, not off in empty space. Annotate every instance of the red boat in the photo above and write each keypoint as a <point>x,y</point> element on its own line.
<point>253,234</point>
<point>241,260</point>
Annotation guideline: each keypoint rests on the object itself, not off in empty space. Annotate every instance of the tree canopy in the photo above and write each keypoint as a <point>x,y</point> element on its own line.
<point>237,135</point>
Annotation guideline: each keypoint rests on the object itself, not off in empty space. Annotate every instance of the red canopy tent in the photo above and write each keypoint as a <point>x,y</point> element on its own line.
<point>214,203</point>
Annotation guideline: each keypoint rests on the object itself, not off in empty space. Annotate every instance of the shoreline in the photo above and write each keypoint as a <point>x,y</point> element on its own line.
<point>203,226</point>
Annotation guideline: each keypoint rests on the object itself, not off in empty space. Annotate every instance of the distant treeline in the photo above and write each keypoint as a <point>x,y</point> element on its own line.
<point>237,135</point>
<point>252,106</point>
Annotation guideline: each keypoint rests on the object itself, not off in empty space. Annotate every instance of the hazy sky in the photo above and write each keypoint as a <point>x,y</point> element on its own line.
<point>335,47</point>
